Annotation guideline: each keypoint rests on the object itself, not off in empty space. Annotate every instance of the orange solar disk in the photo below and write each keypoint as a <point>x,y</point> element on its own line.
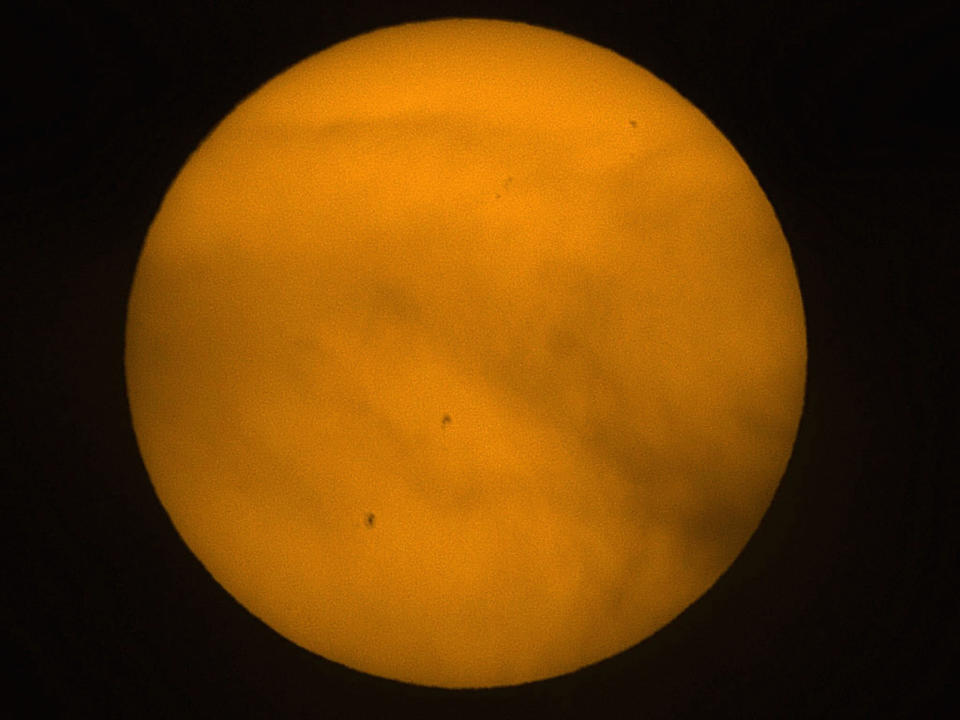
<point>465,353</point>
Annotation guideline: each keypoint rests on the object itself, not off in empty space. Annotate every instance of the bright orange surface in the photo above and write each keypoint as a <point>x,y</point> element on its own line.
<point>465,353</point>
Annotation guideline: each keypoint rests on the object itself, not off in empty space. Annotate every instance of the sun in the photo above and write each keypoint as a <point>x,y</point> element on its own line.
<point>465,353</point>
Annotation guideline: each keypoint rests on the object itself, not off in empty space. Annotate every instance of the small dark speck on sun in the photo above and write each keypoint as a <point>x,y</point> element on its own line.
<point>446,420</point>
<point>633,123</point>
<point>369,520</point>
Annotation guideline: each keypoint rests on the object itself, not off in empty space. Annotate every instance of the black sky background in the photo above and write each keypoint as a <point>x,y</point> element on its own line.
<point>839,607</point>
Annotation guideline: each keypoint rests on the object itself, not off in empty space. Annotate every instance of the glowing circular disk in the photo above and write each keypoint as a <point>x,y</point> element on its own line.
<point>465,353</point>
